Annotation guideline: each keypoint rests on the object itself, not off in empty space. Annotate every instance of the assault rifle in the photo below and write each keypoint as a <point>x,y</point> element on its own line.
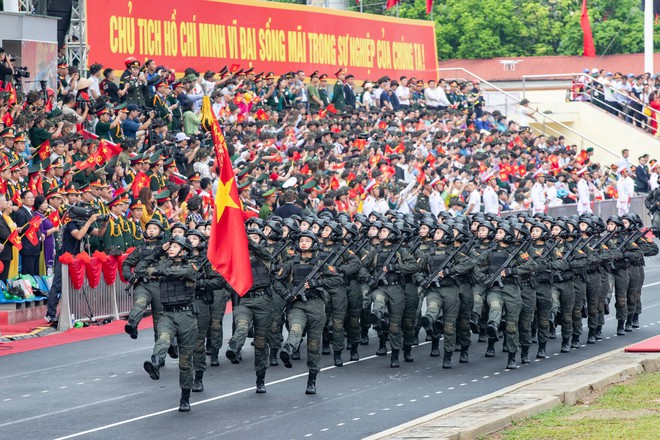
<point>557,273</point>
<point>497,276</point>
<point>330,260</point>
<point>388,260</point>
<point>432,278</point>
<point>631,238</point>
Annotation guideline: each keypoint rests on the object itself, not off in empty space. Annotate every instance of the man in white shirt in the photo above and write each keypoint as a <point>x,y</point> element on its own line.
<point>474,200</point>
<point>583,202</point>
<point>435,98</point>
<point>625,188</point>
<point>538,193</point>
<point>551,193</point>
<point>436,201</point>
<point>624,163</point>
<point>491,202</point>
<point>403,94</point>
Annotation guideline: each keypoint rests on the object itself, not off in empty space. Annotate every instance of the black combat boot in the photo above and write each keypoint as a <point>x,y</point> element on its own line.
<point>153,367</point>
<point>427,323</point>
<point>482,335</point>
<point>435,347</point>
<point>296,354</point>
<point>540,354</point>
<point>240,354</point>
<point>285,356</point>
<point>524,355</point>
<point>215,362</point>
<point>565,345</point>
<point>231,355</point>
<point>464,359</point>
<point>325,350</point>
<point>634,322</point>
<point>446,361</point>
<point>591,337</point>
<point>394,359</point>
<point>338,360</point>
<point>474,323</point>
<point>407,354</point>
<point>628,324</point>
<point>273,358</point>
<point>491,331</point>
<point>173,351</point>
<point>311,383</point>
<point>598,334</point>
<point>620,329</point>
<point>261,382</point>
<point>511,364</point>
<point>198,386</point>
<point>490,350</point>
<point>575,342</point>
<point>184,403</point>
<point>382,349</point>
<point>131,329</point>
<point>355,356</point>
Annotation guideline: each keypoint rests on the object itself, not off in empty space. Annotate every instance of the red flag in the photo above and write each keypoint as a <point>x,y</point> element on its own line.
<point>87,163</point>
<point>431,159</point>
<point>140,181</point>
<point>429,6</point>
<point>31,232</point>
<point>234,68</point>
<point>54,218</point>
<point>13,99</point>
<point>421,178</point>
<point>36,222</point>
<point>589,49</point>
<point>107,150</point>
<point>16,199</point>
<point>15,240</point>
<point>304,169</point>
<point>382,125</point>
<point>392,3</point>
<point>44,150</point>
<point>240,119</point>
<point>228,246</point>
<point>323,113</point>
<point>334,183</point>
<point>8,119</point>
<point>331,109</point>
<point>261,115</point>
<point>360,143</point>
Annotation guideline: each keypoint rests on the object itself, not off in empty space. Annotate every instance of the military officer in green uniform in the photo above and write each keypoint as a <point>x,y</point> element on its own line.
<point>254,308</point>
<point>177,278</point>
<point>114,239</point>
<point>323,91</point>
<point>338,97</point>
<point>540,251</point>
<point>306,315</point>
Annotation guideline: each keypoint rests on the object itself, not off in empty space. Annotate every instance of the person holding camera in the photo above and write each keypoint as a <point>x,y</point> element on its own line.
<point>6,67</point>
<point>132,125</point>
<point>73,235</point>
<point>137,90</point>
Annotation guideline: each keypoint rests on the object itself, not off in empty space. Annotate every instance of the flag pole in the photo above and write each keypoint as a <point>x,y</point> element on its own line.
<point>648,36</point>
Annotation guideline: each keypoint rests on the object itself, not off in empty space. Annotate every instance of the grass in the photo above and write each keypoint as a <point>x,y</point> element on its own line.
<point>626,411</point>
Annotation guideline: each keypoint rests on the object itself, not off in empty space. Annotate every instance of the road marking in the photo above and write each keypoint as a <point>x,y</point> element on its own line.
<point>308,435</point>
<point>399,404</point>
<point>62,387</point>
<point>325,429</point>
<point>341,424</point>
<point>485,377</point>
<point>25,395</point>
<point>371,414</point>
<point>6,400</point>
<point>63,411</point>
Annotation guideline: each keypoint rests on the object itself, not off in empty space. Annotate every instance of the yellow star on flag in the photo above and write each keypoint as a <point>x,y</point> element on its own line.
<point>223,198</point>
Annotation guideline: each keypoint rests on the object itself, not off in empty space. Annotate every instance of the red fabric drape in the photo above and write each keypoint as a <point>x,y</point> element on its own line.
<point>589,49</point>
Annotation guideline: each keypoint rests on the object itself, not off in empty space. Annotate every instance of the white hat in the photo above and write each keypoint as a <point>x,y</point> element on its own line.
<point>181,137</point>
<point>290,182</point>
<point>488,176</point>
<point>582,171</point>
<point>367,85</point>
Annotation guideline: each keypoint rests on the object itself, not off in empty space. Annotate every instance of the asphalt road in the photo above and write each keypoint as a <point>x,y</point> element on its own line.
<point>97,389</point>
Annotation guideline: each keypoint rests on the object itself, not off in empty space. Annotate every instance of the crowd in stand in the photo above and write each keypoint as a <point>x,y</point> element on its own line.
<point>634,98</point>
<point>136,147</point>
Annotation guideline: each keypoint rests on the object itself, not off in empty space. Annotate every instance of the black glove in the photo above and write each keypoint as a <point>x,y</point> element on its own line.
<point>394,267</point>
<point>313,283</point>
<point>510,271</point>
<point>449,272</point>
<point>133,279</point>
<point>158,273</point>
<point>371,282</point>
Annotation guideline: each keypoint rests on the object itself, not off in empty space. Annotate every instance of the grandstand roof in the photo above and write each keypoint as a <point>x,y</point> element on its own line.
<point>513,68</point>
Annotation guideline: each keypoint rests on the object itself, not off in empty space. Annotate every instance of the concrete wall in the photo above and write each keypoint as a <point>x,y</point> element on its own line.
<point>28,27</point>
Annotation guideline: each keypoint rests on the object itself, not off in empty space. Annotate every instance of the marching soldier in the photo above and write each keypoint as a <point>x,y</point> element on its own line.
<point>563,292</point>
<point>306,315</point>
<point>177,276</point>
<point>254,308</point>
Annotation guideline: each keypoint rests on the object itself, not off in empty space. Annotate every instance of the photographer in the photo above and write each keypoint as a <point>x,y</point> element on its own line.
<point>6,67</point>
<point>71,241</point>
<point>132,125</point>
<point>137,90</point>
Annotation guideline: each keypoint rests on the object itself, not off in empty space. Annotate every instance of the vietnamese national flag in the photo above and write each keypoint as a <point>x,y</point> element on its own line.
<point>589,49</point>
<point>429,6</point>
<point>141,181</point>
<point>44,150</point>
<point>261,115</point>
<point>15,240</point>
<point>228,245</point>
<point>54,218</point>
<point>331,109</point>
<point>13,99</point>
<point>8,119</point>
<point>108,150</point>
<point>392,3</point>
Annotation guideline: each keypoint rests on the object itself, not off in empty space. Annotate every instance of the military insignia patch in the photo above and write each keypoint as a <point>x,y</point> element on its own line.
<point>538,252</point>
<point>606,248</point>
<point>279,274</point>
<point>332,269</point>
<point>193,265</point>
<point>290,251</point>
<point>524,256</point>
<point>558,254</point>
<point>580,251</point>
<point>351,252</point>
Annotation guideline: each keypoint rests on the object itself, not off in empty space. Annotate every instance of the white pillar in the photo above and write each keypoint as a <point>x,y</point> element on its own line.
<point>648,36</point>
<point>10,6</point>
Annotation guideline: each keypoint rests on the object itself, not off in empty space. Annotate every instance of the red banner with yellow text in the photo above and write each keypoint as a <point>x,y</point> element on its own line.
<point>277,37</point>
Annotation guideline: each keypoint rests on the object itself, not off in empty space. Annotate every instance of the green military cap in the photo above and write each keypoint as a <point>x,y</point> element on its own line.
<point>168,161</point>
<point>234,157</point>
<point>34,169</point>
<point>120,106</point>
<point>162,195</point>
<point>269,193</point>
<point>190,77</point>
<point>261,177</point>
<point>309,185</point>
<point>67,167</point>
<point>590,149</point>
<point>154,158</point>
<point>135,158</point>
<point>245,184</point>
<point>55,113</point>
<point>243,172</point>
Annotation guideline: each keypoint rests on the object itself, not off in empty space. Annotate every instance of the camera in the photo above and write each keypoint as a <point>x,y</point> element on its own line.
<point>21,72</point>
<point>82,212</point>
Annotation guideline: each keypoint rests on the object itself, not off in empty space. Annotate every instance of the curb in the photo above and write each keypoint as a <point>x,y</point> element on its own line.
<point>495,411</point>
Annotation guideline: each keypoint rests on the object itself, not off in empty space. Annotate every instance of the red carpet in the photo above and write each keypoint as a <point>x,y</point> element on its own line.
<point>651,345</point>
<point>67,337</point>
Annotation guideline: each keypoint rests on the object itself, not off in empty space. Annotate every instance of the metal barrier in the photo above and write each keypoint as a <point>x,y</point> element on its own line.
<point>87,304</point>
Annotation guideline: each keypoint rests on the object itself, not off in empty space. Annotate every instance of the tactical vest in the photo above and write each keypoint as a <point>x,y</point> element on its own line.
<point>260,275</point>
<point>436,260</point>
<point>497,259</point>
<point>300,272</point>
<point>175,292</point>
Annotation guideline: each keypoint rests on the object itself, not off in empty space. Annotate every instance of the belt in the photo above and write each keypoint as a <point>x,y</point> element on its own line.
<point>177,308</point>
<point>256,293</point>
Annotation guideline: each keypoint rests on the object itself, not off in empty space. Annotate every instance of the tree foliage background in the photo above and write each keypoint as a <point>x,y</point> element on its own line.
<point>505,28</point>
